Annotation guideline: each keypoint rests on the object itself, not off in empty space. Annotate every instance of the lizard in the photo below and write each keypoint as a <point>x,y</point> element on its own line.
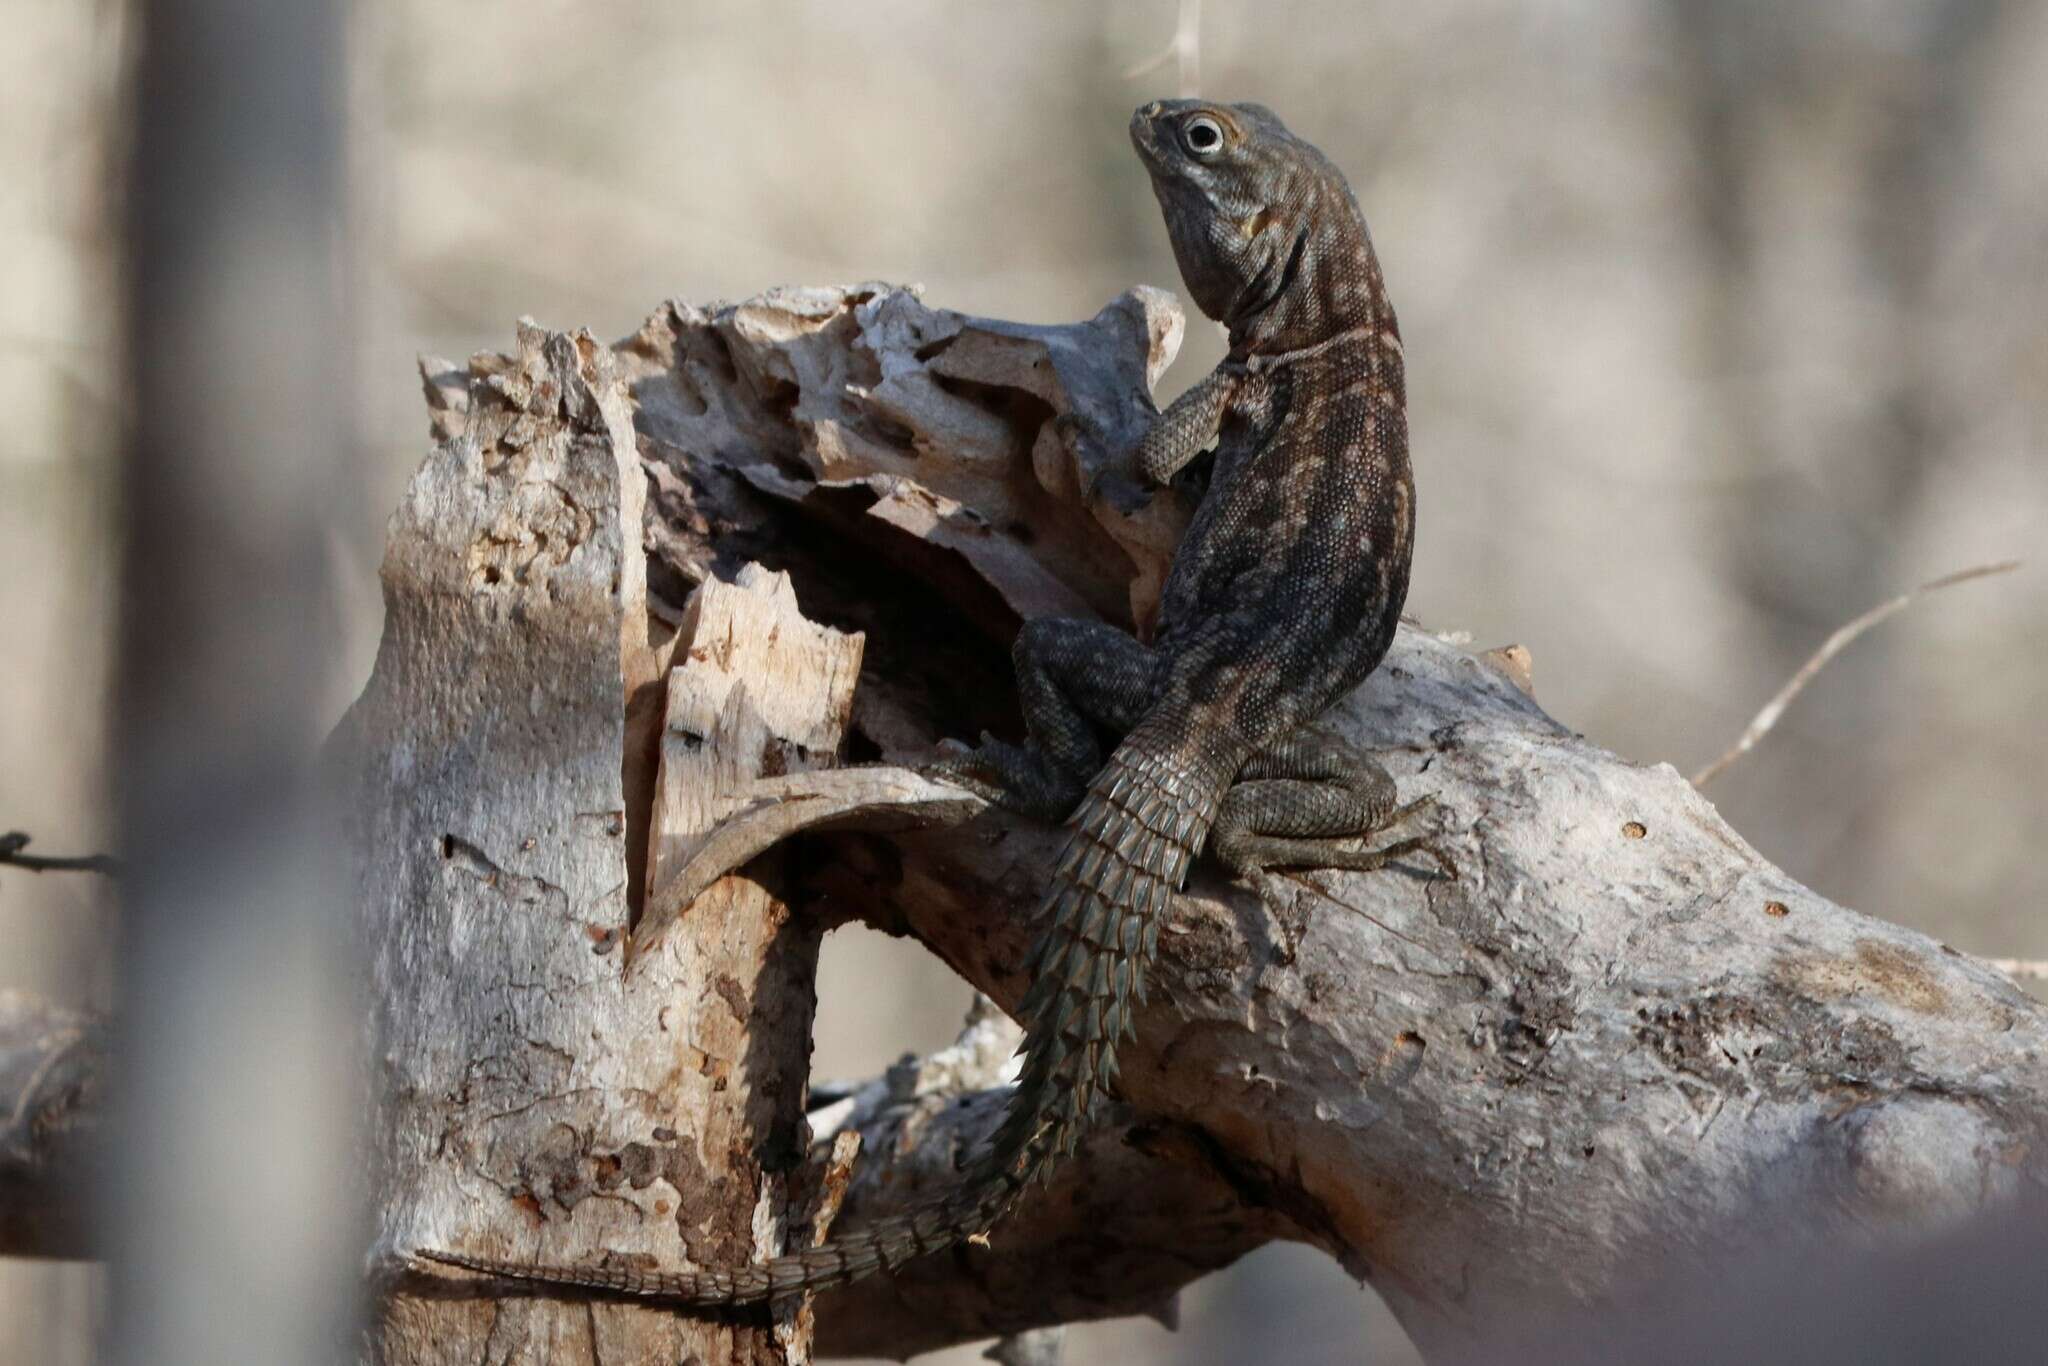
<point>1283,595</point>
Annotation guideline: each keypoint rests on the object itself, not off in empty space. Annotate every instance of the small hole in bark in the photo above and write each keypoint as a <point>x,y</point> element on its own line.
<point>1635,830</point>
<point>447,846</point>
<point>1777,909</point>
<point>1402,1061</point>
<point>780,397</point>
<point>1587,1150</point>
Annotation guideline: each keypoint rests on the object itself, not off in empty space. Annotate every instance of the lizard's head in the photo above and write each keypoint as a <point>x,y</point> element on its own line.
<point>1267,235</point>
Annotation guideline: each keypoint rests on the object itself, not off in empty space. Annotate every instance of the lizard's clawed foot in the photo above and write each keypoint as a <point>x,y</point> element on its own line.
<point>1254,857</point>
<point>961,765</point>
<point>1010,776</point>
<point>1369,860</point>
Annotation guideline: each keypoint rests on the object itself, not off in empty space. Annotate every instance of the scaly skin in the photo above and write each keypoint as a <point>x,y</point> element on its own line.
<point>1282,597</point>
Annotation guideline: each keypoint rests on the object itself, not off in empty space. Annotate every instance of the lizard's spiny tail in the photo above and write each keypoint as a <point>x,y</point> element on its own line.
<point>1134,835</point>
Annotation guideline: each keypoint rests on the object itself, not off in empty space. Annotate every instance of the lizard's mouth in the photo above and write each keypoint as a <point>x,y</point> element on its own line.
<point>1142,131</point>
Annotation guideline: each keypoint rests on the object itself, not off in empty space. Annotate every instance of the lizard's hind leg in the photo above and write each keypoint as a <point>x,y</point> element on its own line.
<point>1075,679</point>
<point>1296,803</point>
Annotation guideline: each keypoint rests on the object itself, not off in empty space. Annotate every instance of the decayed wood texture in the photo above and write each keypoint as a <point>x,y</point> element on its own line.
<point>532,1096</point>
<point>53,1066</point>
<point>1620,1035</point>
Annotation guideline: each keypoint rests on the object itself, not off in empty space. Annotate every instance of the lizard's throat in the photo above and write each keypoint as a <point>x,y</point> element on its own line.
<point>1306,303</point>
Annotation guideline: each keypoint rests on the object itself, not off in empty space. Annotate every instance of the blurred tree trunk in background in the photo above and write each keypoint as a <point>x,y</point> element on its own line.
<point>233,1231</point>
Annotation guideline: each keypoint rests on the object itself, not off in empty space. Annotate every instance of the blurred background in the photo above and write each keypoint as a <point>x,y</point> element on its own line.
<point>1724,322</point>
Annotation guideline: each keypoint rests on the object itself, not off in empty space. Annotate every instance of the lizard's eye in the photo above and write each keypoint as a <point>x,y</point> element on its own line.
<point>1203,136</point>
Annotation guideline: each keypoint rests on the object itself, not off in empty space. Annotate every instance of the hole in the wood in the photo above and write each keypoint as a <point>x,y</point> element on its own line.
<point>1020,411</point>
<point>890,432</point>
<point>931,665</point>
<point>860,748</point>
<point>878,998</point>
<point>780,397</point>
<point>1328,1316</point>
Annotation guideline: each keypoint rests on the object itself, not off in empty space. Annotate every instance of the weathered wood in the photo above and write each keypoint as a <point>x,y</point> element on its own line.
<point>1620,1038</point>
<point>767,811</point>
<point>759,689</point>
<point>53,1071</point>
<point>532,1098</point>
<point>1140,1213</point>
<point>981,453</point>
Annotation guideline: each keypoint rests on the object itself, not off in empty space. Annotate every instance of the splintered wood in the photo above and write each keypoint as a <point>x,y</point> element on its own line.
<point>758,691</point>
<point>536,1100</point>
<point>990,458</point>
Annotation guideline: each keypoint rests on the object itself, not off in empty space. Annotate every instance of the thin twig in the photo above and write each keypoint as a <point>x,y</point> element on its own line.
<point>1834,645</point>
<point>1186,48</point>
<point>2020,967</point>
<point>14,841</point>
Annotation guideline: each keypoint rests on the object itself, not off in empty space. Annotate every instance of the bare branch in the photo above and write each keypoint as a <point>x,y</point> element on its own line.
<point>14,841</point>
<point>1185,50</point>
<point>1834,645</point>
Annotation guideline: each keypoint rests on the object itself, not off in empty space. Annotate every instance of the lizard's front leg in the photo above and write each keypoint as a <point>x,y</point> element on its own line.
<point>1074,679</point>
<point>1188,425</point>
